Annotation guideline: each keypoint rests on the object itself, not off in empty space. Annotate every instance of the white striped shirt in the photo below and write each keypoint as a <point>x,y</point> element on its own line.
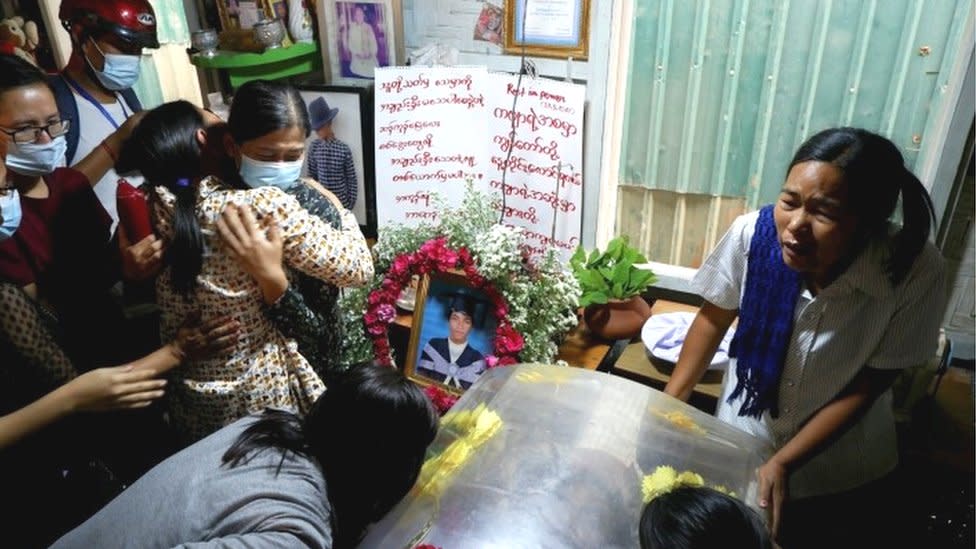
<point>858,320</point>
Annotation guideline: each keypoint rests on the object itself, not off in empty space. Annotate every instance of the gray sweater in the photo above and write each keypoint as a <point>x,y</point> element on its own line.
<point>191,500</point>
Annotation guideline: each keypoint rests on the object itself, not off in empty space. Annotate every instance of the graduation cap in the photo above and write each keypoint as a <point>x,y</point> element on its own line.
<point>464,300</point>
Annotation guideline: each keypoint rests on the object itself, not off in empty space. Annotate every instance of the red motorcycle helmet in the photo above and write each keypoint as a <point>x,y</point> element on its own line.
<point>131,20</point>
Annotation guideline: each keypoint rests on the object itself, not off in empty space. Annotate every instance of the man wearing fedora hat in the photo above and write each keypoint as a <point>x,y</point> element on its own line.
<point>453,360</point>
<point>330,160</point>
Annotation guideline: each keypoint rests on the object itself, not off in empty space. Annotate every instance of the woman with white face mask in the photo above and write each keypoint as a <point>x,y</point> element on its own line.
<point>43,450</point>
<point>266,137</point>
<point>59,249</point>
<point>265,370</point>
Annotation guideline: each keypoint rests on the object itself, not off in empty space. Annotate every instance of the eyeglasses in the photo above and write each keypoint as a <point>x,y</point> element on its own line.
<point>33,133</point>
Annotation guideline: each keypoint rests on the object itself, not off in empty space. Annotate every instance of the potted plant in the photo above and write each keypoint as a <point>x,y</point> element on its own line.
<point>612,287</point>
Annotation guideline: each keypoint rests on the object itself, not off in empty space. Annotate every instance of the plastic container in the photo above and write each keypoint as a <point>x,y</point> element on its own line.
<point>133,211</point>
<point>565,465</point>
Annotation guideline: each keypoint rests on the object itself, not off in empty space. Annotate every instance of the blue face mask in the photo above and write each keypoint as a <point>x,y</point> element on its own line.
<point>36,159</point>
<point>119,71</point>
<point>258,173</point>
<point>9,214</point>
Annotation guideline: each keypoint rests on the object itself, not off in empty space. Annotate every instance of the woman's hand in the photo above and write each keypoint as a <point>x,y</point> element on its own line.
<point>772,491</point>
<point>196,340</point>
<point>114,388</point>
<point>257,249</point>
<point>142,260</point>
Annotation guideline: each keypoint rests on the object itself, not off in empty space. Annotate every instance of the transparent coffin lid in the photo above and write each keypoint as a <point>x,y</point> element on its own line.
<point>564,467</point>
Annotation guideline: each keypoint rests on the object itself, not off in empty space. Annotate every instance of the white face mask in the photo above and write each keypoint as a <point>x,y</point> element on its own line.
<point>36,159</point>
<point>119,71</point>
<point>259,173</point>
<point>9,214</point>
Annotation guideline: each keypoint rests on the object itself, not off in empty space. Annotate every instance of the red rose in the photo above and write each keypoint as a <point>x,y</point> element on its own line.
<point>506,361</point>
<point>401,264</point>
<point>508,341</point>
<point>441,399</point>
<point>376,328</point>
<point>390,286</point>
<point>375,298</point>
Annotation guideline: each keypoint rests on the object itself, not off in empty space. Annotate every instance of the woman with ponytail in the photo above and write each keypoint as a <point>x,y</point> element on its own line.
<point>277,480</point>
<point>264,370</point>
<point>833,300</point>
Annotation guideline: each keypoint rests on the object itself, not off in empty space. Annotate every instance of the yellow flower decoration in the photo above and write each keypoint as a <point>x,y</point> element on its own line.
<point>552,376</point>
<point>681,420</point>
<point>688,478</point>
<point>665,478</point>
<point>661,481</point>
<point>474,428</point>
<point>724,490</point>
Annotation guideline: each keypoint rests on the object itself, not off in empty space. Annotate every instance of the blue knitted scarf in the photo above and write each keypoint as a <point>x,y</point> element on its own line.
<point>765,320</point>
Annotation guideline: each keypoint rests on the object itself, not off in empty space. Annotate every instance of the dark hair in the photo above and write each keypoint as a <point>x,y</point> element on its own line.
<point>164,148</point>
<point>700,518</point>
<point>260,107</point>
<point>875,173</point>
<point>17,73</point>
<point>369,431</point>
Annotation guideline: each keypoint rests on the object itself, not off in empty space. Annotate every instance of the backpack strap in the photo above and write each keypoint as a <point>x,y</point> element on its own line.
<point>130,98</point>
<point>68,108</point>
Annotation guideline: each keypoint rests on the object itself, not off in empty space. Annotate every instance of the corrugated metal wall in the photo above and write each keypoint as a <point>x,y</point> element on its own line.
<point>722,92</point>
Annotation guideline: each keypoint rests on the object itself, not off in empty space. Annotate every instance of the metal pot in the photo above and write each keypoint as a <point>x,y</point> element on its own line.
<point>269,33</point>
<point>205,41</point>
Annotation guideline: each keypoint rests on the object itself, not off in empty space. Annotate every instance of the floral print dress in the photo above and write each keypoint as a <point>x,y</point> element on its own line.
<point>265,369</point>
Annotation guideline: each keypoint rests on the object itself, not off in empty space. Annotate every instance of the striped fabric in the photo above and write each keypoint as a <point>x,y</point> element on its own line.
<point>330,163</point>
<point>859,320</point>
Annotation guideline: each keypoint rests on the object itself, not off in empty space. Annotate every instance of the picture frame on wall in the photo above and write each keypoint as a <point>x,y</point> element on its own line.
<point>554,28</point>
<point>242,14</point>
<point>452,334</point>
<point>352,124</point>
<point>360,36</point>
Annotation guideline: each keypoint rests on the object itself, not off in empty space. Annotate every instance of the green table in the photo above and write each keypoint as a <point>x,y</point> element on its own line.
<point>242,67</point>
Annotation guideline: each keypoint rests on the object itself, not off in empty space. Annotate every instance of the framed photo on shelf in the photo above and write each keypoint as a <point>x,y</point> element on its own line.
<point>352,125</point>
<point>554,28</point>
<point>453,332</point>
<point>359,36</point>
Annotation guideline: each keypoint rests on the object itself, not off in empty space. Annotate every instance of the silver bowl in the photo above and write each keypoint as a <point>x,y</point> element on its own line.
<point>269,33</point>
<point>205,41</point>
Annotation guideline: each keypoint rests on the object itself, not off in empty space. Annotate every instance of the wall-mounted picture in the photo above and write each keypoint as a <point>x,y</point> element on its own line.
<point>489,25</point>
<point>554,28</point>
<point>339,152</point>
<point>360,38</point>
<point>453,332</point>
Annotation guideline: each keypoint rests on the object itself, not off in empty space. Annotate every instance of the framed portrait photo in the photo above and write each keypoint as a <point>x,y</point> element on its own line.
<point>360,36</point>
<point>453,332</point>
<point>554,28</point>
<point>348,112</point>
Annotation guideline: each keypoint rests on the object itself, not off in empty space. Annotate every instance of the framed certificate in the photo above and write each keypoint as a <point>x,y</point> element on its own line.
<point>547,28</point>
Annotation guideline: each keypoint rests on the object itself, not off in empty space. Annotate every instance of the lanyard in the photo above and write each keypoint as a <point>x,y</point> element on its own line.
<point>87,96</point>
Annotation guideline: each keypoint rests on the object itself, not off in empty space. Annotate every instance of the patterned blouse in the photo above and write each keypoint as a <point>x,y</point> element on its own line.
<point>265,369</point>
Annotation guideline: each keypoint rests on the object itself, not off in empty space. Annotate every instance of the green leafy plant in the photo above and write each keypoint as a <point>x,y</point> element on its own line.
<point>610,274</point>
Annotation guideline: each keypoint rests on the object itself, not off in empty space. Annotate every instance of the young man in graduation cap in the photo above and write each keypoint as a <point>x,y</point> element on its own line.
<point>452,360</point>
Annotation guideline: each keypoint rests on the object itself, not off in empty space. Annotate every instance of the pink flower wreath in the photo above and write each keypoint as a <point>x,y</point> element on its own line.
<point>432,257</point>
